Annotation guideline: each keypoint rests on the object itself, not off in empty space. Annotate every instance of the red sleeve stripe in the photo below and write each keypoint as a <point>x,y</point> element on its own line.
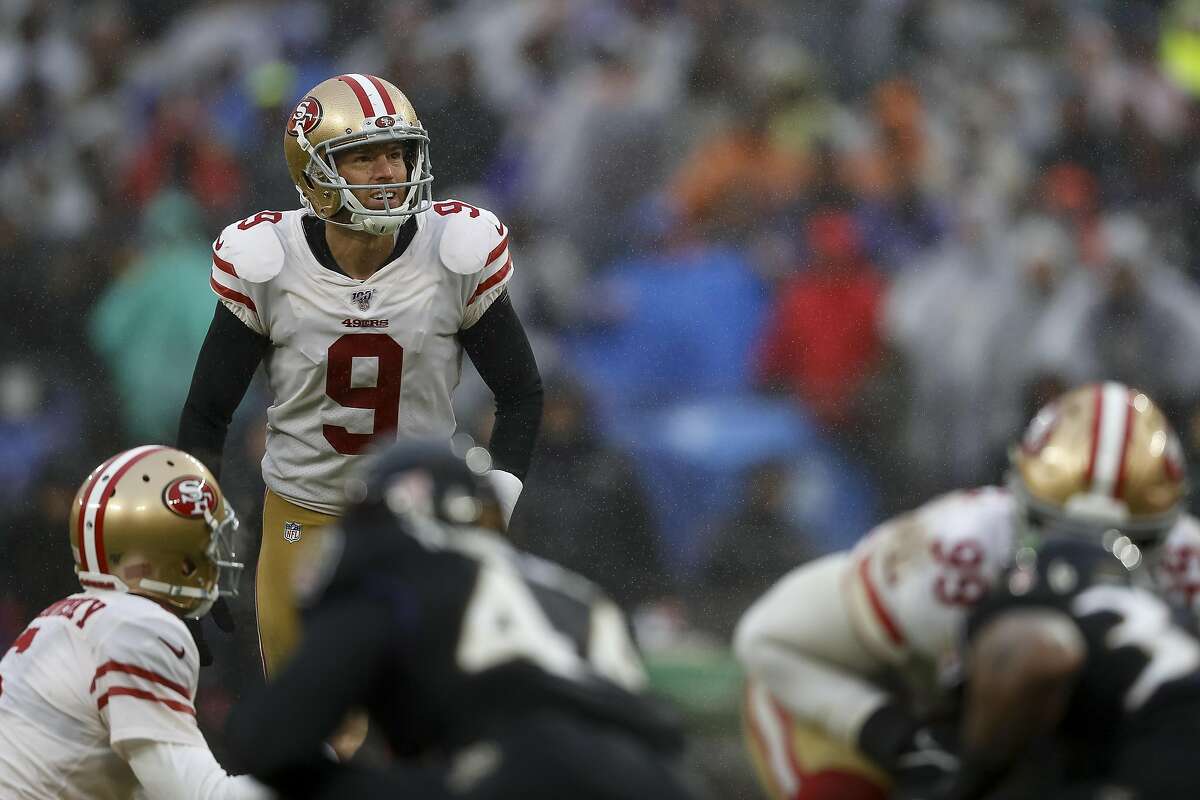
<point>881,612</point>
<point>499,276</point>
<point>127,691</point>
<point>230,294</point>
<point>141,672</point>
<point>388,105</point>
<point>224,265</point>
<point>497,251</point>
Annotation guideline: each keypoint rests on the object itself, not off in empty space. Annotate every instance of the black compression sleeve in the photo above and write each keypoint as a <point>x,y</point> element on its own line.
<point>500,351</point>
<point>224,369</point>
<point>276,734</point>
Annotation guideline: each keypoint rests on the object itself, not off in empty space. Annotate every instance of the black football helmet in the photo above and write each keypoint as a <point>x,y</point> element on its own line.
<point>424,481</point>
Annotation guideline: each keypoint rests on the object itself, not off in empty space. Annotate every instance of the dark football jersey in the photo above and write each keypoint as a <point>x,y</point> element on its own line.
<point>441,646</point>
<point>1141,674</point>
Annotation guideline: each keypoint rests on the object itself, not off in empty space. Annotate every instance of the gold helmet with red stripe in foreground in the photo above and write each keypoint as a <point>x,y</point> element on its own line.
<point>1101,461</point>
<point>154,522</point>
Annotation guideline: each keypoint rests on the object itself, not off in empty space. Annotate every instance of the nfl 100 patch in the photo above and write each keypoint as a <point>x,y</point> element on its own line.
<point>362,299</point>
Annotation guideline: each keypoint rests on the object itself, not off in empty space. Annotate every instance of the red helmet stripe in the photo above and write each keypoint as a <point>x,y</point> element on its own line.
<point>100,496</point>
<point>98,530</point>
<point>388,105</point>
<point>1108,449</point>
<point>1119,485</point>
<point>364,101</point>
<point>83,505</point>
<point>1097,412</point>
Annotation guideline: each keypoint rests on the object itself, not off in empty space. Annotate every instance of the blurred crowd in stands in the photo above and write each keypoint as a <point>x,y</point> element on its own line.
<point>789,265</point>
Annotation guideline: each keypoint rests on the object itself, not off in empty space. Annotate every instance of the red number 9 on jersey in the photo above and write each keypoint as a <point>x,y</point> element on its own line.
<point>383,398</point>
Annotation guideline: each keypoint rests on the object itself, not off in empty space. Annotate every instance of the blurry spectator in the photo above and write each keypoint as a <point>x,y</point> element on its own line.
<point>39,418</point>
<point>1077,142</point>
<point>47,193</point>
<point>1135,320</point>
<point>150,323</point>
<point>1019,296</point>
<point>675,325</point>
<point>934,319</point>
<point>553,270</point>
<point>751,548</point>
<point>35,544</point>
<point>269,92</point>
<point>1070,195</point>
<point>36,48</point>
<point>183,153</point>
<point>823,341</point>
<point>1179,48</point>
<point>899,218</point>
<point>596,151</point>
<point>449,101</point>
<point>582,506</point>
<point>733,181</point>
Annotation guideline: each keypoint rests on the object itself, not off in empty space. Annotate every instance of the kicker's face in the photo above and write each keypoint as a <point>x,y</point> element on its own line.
<point>382,162</point>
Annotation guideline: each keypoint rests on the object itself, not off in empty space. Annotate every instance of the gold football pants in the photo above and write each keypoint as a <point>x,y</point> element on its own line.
<point>291,537</point>
<point>795,761</point>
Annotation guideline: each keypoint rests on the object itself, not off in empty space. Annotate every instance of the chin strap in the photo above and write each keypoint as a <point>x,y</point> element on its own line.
<point>507,488</point>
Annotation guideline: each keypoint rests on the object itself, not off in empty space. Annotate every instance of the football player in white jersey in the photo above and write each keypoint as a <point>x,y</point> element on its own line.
<point>97,695</point>
<point>360,306</point>
<point>850,656</point>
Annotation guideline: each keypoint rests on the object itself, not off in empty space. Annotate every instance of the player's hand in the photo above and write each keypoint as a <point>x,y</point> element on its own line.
<point>928,768</point>
<point>197,630</point>
<point>223,616</point>
<point>507,488</point>
<point>921,757</point>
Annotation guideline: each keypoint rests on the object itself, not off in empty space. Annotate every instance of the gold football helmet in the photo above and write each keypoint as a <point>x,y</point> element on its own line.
<point>345,112</point>
<point>153,521</point>
<point>1101,461</point>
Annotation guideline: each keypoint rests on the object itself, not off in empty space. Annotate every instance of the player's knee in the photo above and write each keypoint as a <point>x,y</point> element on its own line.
<point>795,761</point>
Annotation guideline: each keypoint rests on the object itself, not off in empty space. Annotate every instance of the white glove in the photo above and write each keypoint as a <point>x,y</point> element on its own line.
<point>507,488</point>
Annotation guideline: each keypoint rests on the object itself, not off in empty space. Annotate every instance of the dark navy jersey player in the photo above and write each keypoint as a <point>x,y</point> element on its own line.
<point>1067,656</point>
<point>452,648</point>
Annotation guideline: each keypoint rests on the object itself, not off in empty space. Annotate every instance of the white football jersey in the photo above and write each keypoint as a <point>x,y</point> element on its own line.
<point>1177,572</point>
<point>913,579</point>
<point>352,360</point>
<point>90,673</point>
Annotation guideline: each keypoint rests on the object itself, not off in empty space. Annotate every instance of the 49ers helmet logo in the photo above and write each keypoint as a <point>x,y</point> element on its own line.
<point>190,496</point>
<point>306,116</point>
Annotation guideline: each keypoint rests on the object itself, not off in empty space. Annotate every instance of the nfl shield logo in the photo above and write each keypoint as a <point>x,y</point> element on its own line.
<point>362,299</point>
<point>291,531</point>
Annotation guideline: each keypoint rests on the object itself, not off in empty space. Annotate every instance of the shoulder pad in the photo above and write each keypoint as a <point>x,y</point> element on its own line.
<point>468,240</point>
<point>984,501</point>
<point>255,252</point>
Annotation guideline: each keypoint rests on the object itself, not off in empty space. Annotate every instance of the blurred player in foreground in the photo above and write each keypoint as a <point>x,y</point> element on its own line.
<point>484,668</point>
<point>97,696</point>
<point>360,306</point>
<point>1066,657</point>
<point>851,657</point>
